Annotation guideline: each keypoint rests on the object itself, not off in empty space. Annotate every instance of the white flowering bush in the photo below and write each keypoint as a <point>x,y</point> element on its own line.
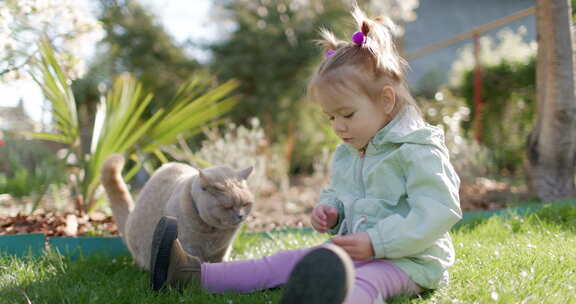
<point>69,26</point>
<point>510,47</point>
<point>238,147</point>
<point>506,115</point>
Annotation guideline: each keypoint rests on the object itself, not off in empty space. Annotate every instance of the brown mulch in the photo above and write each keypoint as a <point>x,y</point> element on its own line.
<point>487,194</point>
<point>59,224</point>
<point>276,211</point>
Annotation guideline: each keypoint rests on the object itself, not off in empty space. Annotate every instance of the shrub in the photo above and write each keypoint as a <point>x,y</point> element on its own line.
<point>508,94</point>
<point>314,135</point>
<point>508,112</point>
<point>237,147</point>
<point>470,159</point>
<point>29,168</point>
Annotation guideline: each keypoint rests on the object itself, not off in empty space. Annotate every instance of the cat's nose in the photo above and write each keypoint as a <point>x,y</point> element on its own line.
<point>240,217</point>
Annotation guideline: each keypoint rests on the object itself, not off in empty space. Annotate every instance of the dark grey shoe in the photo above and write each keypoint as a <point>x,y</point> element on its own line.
<point>323,276</point>
<point>164,235</point>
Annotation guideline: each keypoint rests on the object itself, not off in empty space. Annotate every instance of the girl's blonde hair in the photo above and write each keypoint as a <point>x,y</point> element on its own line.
<point>377,59</point>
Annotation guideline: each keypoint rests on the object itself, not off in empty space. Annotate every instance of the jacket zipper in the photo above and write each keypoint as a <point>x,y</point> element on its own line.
<point>350,224</point>
<point>362,157</point>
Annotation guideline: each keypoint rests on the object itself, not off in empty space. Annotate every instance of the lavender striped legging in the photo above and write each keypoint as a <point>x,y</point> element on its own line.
<point>373,278</point>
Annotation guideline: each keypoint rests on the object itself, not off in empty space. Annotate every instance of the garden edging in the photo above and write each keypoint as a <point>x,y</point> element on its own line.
<point>36,244</point>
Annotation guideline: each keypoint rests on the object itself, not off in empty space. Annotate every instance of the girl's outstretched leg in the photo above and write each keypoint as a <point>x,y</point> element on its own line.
<point>250,275</point>
<point>380,279</point>
<point>171,265</point>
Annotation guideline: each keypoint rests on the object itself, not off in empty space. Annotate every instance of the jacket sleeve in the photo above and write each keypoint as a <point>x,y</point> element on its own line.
<point>328,197</point>
<point>432,194</point>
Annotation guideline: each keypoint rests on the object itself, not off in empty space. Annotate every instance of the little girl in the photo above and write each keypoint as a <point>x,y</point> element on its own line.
<point>392,199</point>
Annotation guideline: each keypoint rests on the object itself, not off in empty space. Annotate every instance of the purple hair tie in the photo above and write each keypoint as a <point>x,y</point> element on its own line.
<point>329,53</point>
<point>359,38</point>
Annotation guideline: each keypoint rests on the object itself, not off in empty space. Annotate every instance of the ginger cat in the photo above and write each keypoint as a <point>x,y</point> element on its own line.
<point>209,204</point>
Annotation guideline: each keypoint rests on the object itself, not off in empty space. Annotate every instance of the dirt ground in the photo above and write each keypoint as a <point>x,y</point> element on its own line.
<point>276,210</point>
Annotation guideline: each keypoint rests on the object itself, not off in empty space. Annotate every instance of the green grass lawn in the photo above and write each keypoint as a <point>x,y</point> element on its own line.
<point>514,259</point>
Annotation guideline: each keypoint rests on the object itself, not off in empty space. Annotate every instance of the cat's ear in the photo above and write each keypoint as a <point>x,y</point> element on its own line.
<point>245,172</point>
<point>204,181</point>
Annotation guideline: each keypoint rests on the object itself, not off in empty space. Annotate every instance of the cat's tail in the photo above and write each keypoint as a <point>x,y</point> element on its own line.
<point>120,199</point>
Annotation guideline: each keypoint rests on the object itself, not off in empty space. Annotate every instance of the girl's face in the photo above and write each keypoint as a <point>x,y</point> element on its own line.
<point>354,116</point>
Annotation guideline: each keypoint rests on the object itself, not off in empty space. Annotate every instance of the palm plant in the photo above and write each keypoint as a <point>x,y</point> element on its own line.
<point>120,125</point>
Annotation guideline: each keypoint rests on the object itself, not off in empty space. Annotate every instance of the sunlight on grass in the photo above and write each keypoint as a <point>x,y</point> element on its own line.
<point>500,260</point>
<point>517,260</point>
<point>251,246</point>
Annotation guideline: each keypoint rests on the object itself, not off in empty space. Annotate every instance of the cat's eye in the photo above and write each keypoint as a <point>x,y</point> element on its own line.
<point>227,206</point>
<point>349,115</point>
<point>212,189</point>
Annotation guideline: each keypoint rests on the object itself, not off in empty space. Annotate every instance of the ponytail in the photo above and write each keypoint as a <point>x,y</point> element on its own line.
<point>380,33</point>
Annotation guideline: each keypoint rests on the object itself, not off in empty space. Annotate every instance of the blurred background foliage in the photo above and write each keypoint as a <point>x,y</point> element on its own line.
<point>272,83</point>
<point>508,111</point>
<point>268,53</point>
<point>134,42</point>
<point>493,142</point>
<point>29,168</point>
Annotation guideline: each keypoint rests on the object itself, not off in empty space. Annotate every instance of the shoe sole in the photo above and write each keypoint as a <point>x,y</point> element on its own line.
<point>323,276</point>
<point>164,235</point>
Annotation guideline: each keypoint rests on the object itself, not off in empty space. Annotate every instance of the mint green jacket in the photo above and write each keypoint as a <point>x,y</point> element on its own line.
<point>404,192</point>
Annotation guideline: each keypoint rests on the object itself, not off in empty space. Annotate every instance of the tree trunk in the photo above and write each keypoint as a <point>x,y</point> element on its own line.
<point>552,142</point>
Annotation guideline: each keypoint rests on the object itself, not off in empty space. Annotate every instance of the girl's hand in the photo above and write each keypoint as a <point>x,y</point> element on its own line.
<point>357,245</point>
<point>324,217</point>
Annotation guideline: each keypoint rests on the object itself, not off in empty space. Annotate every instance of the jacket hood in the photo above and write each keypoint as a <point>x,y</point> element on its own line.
<point>408,127</point>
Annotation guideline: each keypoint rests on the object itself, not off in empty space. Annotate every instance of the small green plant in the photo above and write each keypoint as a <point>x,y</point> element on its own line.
<point>29,169</point>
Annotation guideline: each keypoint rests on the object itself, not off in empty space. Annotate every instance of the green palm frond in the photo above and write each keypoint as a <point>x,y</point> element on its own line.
<point>56,89</point>
<point>191,109</point>
<point>121,125</point>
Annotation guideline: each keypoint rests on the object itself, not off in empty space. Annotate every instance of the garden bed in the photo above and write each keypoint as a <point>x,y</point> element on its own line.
<point>275,211</point>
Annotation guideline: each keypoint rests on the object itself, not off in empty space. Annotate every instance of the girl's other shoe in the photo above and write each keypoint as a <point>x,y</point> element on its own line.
<point>323,276</point>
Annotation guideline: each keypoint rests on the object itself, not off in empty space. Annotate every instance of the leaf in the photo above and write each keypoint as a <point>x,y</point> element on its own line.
<point>56,89</point>
<point>191,110</point>
<point>49,136</point>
